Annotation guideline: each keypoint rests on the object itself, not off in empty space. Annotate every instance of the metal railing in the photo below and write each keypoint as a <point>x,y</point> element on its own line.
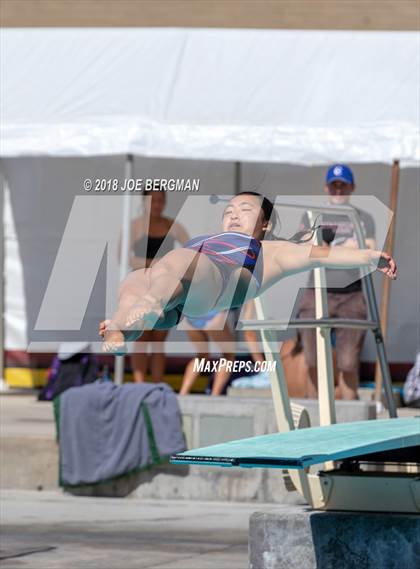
<point>324,325</point>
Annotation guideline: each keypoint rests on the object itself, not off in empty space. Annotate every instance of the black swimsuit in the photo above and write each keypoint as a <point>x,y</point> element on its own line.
<point>153,246</point>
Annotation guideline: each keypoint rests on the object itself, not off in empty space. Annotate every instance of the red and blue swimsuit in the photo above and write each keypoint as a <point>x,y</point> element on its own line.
<point>229,251</point>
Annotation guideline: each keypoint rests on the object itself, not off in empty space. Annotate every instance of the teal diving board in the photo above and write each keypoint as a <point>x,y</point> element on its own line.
<point>301,448</point>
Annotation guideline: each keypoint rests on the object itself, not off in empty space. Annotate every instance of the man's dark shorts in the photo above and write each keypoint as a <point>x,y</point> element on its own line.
<point>349,342</point>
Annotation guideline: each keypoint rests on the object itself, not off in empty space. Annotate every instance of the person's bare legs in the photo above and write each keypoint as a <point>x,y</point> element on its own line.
<point>312,387</point>
<point>139,366</point>
<point>312,390</point>
<point>251,338</point>
<point>348,382</point>
<point>226,341</point>
<point>350,343</point>
<point>158,356</point>
<point>199,339</point>
<point>222,376</point>
<point>190,375</point>
<point>139,359</point>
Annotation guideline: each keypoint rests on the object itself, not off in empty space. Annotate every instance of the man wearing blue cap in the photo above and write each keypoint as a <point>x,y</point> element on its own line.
<point>344,292</point>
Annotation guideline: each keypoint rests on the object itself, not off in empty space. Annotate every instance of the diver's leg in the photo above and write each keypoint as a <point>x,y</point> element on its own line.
<point>133,289</point>
<point>167,291</point>
<point>146,295</point>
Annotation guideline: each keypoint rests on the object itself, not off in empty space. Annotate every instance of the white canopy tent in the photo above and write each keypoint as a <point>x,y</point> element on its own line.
<point>297,97</point>
<point>302,97</point>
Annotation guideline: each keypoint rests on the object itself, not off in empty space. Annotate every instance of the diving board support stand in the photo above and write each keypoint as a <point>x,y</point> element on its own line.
<point>281,400</point>
<point>325,367</point>
<point>279,392</point>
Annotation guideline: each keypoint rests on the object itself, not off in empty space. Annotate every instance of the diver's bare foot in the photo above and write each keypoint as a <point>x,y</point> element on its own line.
<point>135,316</point>
<point>114,342</point>
<point>144,314</point>
<point>129,336</point>
<point>103,326</point>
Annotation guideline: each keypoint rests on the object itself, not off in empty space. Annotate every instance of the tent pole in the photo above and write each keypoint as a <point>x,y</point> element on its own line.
<point>124,255</point>
<point>389,248</point>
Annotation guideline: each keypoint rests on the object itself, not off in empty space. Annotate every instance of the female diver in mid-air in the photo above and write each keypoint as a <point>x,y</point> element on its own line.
<point>222,271</point>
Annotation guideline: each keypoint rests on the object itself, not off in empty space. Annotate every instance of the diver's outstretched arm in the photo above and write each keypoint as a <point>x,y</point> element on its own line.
<point>292,258</point>
<point>343,258</point>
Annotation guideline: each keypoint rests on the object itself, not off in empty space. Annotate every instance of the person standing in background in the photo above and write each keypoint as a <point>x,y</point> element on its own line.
<point>344,292</point>
<point>201,331</point>
<point>152,235</point>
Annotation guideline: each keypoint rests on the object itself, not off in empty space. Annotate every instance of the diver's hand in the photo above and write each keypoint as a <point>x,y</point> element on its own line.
<point>384,263</point>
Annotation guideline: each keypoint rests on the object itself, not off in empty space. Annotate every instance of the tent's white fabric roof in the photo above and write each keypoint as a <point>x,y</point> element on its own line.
<point>306,97</point>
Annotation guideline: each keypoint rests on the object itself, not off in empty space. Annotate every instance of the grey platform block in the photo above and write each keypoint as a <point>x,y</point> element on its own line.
<point>298,538</point>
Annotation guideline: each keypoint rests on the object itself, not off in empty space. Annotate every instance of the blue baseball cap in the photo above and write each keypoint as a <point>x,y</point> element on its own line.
<point>339,172</point>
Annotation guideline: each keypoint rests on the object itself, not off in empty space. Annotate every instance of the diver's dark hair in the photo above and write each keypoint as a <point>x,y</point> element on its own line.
<point>270,214</point>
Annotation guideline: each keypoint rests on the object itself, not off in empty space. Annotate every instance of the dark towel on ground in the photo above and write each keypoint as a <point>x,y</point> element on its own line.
<point>106,431</point>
